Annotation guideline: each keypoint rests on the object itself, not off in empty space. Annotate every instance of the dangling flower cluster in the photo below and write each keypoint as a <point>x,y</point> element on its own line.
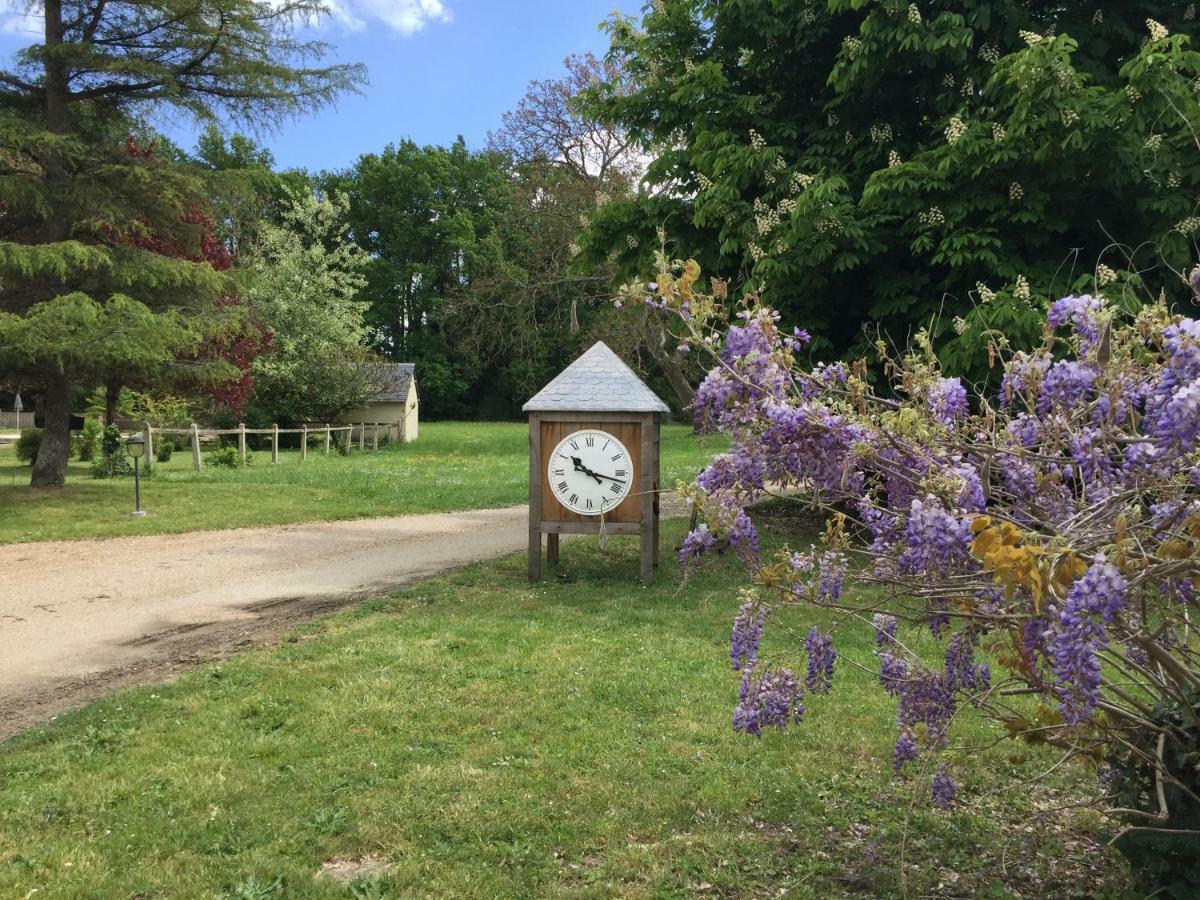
<point>881,134</point>
<point>935,541</point>
<point>893,159</point>
<point>821,659</point>
<point>1082,313</point>
<point>1157,30</point>
<point>986,294</point>
<point>914,14</point>
<point>1105,275</point>
<point>942,789</point>
<point>948,401</point>
<point>694,545</point>
<point>989,54</point>
<point>1080,634</point>
<point>757,141</point>
<point>747,633</point>
<point>962,672</point>
<point>767,698</point>
<point>1016,192</point>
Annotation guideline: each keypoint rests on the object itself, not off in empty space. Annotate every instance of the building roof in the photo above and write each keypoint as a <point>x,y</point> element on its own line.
<point>599,381</point>
<point>395,380</point>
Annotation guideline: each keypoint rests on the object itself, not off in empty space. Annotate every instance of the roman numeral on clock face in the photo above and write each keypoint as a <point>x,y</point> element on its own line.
<point>562,487</point>
<point>590,440</point>
<point>615,488</point>
<point>617,458</point>
<point>620,473</point>
<point>574,498</point>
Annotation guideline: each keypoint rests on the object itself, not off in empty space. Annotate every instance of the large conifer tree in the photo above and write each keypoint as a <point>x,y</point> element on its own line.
<point>79,294</point>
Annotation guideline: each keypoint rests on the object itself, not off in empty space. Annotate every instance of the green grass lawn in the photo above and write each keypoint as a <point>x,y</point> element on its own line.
<point>453,466</point>
<point>479,737</point>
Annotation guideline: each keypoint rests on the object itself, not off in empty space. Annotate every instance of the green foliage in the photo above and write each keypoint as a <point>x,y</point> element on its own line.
<point>27,445</point>
<point>89,439</point>
<point>427,217</point>
<point>1162,854</point>
<point>114,460</point>
<point>307,276</point>
<point>164,448</point>
<point>904,164</point>
<point>227,457</point>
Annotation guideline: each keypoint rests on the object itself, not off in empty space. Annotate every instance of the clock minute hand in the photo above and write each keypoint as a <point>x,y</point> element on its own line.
<point>580,467</point>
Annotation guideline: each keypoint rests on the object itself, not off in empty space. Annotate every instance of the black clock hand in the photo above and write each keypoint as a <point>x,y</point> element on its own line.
<point>580,467</point>
<point>609,477</point>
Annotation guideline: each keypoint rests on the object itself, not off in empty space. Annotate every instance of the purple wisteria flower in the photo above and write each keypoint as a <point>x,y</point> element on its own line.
<point>948,401</point>
<point>743,538</point>
<point>1083,314</point>
<point>821,659</point>
<point>694,545</point>
<point>935,541</point>
<point>962,672</point>
<point>1080,634</point>
<point>885,629</point>
<point>906,750</point>
<point>747,633</point>
<point>767,698</point>
<point>1067,384</point>
<point>942,789</point>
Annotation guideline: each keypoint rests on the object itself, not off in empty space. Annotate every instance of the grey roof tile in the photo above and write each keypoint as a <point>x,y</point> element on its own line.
<point>599,381</point>
<point>394,381</point>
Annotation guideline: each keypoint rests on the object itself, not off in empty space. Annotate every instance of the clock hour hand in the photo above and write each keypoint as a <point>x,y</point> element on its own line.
<point>580,467</point>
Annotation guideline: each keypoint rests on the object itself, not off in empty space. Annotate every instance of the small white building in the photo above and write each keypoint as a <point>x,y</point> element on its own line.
<point>396,404</point>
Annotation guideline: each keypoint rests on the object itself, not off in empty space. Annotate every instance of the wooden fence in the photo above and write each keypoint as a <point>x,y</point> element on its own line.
<point>16,420</point>
<point>195,435</point>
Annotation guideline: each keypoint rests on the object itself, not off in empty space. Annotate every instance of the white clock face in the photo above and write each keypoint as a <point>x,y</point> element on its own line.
<point>590,472</point>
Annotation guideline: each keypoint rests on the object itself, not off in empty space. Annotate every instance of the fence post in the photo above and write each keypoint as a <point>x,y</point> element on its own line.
<point>149,445</point>
<point>326,438</point>
<point>242,442</point>
<point>274,442</point>
<point>362,437</point>
<point>303,442</point>
<point>375,436</point>
<point>197,464</point>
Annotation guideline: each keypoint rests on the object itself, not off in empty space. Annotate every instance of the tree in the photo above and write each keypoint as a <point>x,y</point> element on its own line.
<point>567,160</point>
<point>306,278</point>
<point>428,218</point>
<point>80,297</point>
<point>906,163</point>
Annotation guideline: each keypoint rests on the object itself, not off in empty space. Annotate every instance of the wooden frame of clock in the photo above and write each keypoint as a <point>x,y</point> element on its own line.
<point>593,468</point>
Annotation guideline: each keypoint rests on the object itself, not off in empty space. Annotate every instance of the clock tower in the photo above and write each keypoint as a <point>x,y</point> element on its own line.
<point>594,457</point>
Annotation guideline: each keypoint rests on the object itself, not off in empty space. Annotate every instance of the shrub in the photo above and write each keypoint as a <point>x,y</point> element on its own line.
<point>227,457</point>
<point>28,445</point>
<point>163,449</point>
<point>114,461</point>
<point>1048,535</point>
<point>88,440</point>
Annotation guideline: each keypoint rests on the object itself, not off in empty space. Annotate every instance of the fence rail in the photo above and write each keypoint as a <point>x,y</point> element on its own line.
<point>196,435</point>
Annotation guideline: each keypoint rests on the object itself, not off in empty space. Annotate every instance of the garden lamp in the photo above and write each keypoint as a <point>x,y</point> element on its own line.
<point>137,448</point>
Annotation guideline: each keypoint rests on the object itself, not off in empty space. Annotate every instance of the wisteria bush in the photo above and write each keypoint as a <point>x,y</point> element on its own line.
<point>1046,533</point>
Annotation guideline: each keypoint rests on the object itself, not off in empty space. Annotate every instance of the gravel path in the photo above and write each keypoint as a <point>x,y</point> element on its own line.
<point>79,618</point>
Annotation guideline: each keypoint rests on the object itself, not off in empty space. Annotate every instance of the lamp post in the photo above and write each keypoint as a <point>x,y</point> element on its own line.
<point>137,448</point>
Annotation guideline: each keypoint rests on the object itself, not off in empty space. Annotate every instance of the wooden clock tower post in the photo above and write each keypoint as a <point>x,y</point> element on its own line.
<point>594,457</point>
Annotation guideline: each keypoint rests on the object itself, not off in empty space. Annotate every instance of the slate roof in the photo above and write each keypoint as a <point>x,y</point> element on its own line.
<point>599,381</point>
<point>395,379</point>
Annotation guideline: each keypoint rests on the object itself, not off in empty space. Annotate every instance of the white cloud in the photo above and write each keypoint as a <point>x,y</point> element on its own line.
<point>405,16</point>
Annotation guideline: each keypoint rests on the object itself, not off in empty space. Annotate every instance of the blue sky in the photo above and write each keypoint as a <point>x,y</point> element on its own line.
<point>437,68</point>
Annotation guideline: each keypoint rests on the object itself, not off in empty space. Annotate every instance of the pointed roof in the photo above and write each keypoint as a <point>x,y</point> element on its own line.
<point>599,381</point>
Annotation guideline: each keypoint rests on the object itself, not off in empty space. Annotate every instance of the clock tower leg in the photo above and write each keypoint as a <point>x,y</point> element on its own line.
<point>535,497</point>
<point>552,548</point>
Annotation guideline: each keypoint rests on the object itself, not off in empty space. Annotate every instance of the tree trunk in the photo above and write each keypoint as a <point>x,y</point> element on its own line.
<point>112,394</point>
<point>50,467</point>
<point>668,361</point>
